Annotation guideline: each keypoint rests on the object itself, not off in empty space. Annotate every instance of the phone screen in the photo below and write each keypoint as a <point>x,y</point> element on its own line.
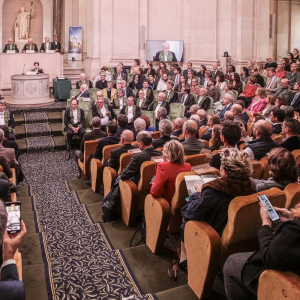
<point>13,210</point>
<point>268,206</point>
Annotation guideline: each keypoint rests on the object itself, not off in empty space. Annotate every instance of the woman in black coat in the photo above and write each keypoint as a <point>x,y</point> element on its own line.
<point>279,250</point>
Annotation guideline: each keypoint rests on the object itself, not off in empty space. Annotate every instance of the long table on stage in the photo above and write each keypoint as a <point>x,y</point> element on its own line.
<point>13,63</point>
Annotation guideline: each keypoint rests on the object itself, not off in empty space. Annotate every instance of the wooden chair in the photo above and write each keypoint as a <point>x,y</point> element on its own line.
<point>133,196</point>
<point>242,146</point>
<point>296,154</point>
<point>206,143</point>
<point>13,179</point>
<point>18,259</point>
<point>159,215</point>
<point>292,192</point>
<point>156,135</point>
<point>210,142</point>
<point>265,173</point>
<point>278,138</point>
<point>257,169</point>
<point>203,130</point>
<point>277,285</point>
<point>97,167</point>
<point>196,159</point>
<point>240,235</point>
<point>89,148</point>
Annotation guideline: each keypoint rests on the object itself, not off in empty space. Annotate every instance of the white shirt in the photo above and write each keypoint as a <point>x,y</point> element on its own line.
<point>2,121</point>
<point>10,47</point>
<point>121,103</point>
<point>145,91</point>
<point>176,80</point>
<point>75,115</point>
<point>200,98</point>
<point>184,98</point>
<point>166,56</point>
<point>140,102</point>
<point>161,85</point>
<point>157,108</point>
<point>105,119</point>
<point>47,46</point>
<point>130,113</point>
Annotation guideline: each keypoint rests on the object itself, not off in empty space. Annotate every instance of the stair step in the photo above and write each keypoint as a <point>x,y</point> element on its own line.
<point>56,130</point>
<point>53,117</point>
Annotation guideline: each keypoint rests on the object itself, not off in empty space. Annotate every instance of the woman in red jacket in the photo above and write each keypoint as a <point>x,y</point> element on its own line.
<point>249,91</point>
<point>167,171</point>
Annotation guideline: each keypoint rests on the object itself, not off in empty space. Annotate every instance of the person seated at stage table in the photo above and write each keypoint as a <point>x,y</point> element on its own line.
<point>57,45</point>
<point>47,45</point>
<point>102,83</point>
<point>74,121</point>
<point>30,46</point>
<point>103,111</point>
<point>82,81</point>
<point>110,92</point>
<point>120,101</point>
<point>167,171</point>
<point>37,68</point>
<point>131,111</point>
<point>7,118</point>
<point>84,93</point>
<point>10,46</point>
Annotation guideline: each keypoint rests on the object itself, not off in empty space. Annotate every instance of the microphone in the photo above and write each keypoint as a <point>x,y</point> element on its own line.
<point>23,69</point>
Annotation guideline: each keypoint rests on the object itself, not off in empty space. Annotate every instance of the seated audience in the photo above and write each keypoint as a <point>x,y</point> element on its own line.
<point>7,118</point>
<point>166,130</point>
<point>139,125</point>
<point>228,116</point>
<point>203,118</point>
<point>237,111</point>
<point>294,100</point>
<point>120,101</point>
<point>176,77</point>
<point>136,66</point>
<point>122,124</point>
<point>147,91</point>
<point>103,111</point>
<point>270,104</point>
<point>230,135</point>
<point>186,99</point>
<point>147,120</point>
<point>149,70</point>
<point>5,167</point>
<point>278,251</point>
<point>10,285</point>
<point>262,144</point>
<point>177,127</point>
<point>273,82</point>
<point>208,76</point>
<point>193,110</point>
<point>190,77</point>
<point>290,128</point>
<point>201,74</point>
<point>215,71</point>
<point>286,64</point>
<point>249,91</point>
<point>127,90</point>
<point>162,67</point>
<point>171,95</point>
<point>182,82</point>
<point>277,117</point>
<point>172,67</point>
<point>231,70</point>
<point>236,82</point>
<point>259,102</point>
<point>227,104</point>
<point>212,91</point>
<point>288,112</point>
<point>126,141</point>
<point>189,68</point>
<point>191,144</point>
<point>108,77</point>
<point>203,100</point>
<point>119,75</point>
<point>160,102</point>
<point>259,78</point>
<point>280,73</point>
<point>162,83</point>
<point>250,66</point>
<point>167,171</point>
<point>270,63</point>
<point>220,82</point>
<point>101,83</point>
<point>212,120</point>
<point>135,83</point>
<point>216,139</point>
<point>293,76</point>
<point>244,76</point>
<point>82,81</point>
<point>110,92</point>
<point>244,113</point>
<point>83,93</point>
<point>131,111</point>
<point>284,90</point>
<point>151,81</point>
<point>9,143</point>
<point>161,115</point>
<point>195,88</point>
<point>283,170</point>
<point>142,102</point>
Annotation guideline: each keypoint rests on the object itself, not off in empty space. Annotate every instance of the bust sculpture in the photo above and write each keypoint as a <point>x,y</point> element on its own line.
<point>22,24</point>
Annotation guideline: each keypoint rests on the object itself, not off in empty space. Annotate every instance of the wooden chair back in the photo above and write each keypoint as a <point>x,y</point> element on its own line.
<point>109,177</point>
<point>210,142</point>
<point>278,138</point>
<point>134,144</point>
<point>89,148</point>
<point>106,151</point>
<point>265,173</point>
<point>292,192</point>
<point>242,146</point>
<point>206,143</point>
<point>203,130</point>
<point>124,161</point>
<point>196,159</point>
<point>257,169</point>
<point>296,154</point>
<point>155,135</point>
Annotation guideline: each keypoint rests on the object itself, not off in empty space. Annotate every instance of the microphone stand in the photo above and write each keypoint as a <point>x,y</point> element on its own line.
<point>23,70</point>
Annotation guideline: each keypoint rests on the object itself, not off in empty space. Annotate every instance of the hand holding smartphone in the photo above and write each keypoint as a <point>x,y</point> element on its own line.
<point>268,206</point>
<point>13,210</point>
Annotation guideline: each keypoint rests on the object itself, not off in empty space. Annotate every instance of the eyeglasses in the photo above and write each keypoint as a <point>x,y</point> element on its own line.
<point>254,127</point>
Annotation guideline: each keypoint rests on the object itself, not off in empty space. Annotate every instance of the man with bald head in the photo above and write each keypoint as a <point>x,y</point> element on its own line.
<point>10,46</point>
<point>191,144</point>
<point>177,127</point>
<point>47,45</point>
<point>30,46</point>
<point>237,111</point>
<point>82,81</point>
<point>127,138</point>
<point>270,63</point>
<point>263,144</point>
<point>284,90</point>
<point>228,116</point>
<point>84,93</point>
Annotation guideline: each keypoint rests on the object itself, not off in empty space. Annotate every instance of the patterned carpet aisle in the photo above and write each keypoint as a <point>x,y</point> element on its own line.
<point>80,262</point>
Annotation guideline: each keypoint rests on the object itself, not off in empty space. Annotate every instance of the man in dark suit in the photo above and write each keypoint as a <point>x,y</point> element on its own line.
<point>277,117</point>
<point>294,100</point>
<point>131,111</point>
<point>293,76</point>
<point>122,124</point>
<point>47,45</point>
<point>186,99</point>
<point>126,140</point>
<point>5,194</point>
<point>7,118</point>
<point>74,121</point>
<point>203,118</point>
<point>119,75</point>
<point>57,45</point>
<point>165,54</point>
<point>37,68</point>
<point>176,77</point>
<point>160,102</point>
<point>82,81</point>
<point>8,153</point>
<point>270,63</point>
<point>191,144</point>
<point>171,95</point>
<point>161,115</point>
<point>10,285</point>
<point>84,93</point>
<point>177,127</point>
<point>215,71</point>
<point>166,129</point>
<point>189,68</point>
<point>148,92</point>
<point>10,46</point>
<point>259,78</point>
<point>103,111</point>
<point>290,129</point>
<point>111,139</point>
<point>203,100</point>
<point>30,46</point>
<point>127,90</point>
<point>227,104</point>
<point>102,83</point>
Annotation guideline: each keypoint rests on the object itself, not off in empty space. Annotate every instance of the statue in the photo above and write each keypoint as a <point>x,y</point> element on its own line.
<point>22,24</point>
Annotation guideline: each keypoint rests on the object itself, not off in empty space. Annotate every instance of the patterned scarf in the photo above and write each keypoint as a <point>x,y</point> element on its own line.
<point>117,102</point>
<point>28,47</point>
<point>100,113</point>
<point>78,115</point>
<point>13,47</point>
<point>162,56</point>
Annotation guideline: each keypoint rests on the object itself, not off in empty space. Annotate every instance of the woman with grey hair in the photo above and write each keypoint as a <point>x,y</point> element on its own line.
<point>211,201</point>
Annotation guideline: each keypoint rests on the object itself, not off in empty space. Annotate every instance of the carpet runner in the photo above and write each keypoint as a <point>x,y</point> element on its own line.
<point>40,144</point>
<point>35,117</point>
<point>35,130</point>
<point>79,258</point>
<point>57,106</point>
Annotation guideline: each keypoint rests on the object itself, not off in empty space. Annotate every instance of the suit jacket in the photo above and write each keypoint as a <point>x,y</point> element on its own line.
<point>5,194</point>
<point>172,97</point>
<point>123,75</point>
<point>296,104</point>
<point>277,128</point>
<point>173,78</point>
<point>158,143</point>
<point>38,71</point>
<point>177,133</point>
<point>207,136</point>
<point>97,113</point>
<point>192,146</point>
<point>114,160</point>
<point>27,47</point>
<point>149,94</point>
<point>9,119</point>
<point>120,131</point>
<point>116,103</point>
<point>10,156</point>
<point>89,136</point>
<point>6,169</point>
<point>7,47</point>
<point>293,78</point>
<point>215,74</point>
<point>101,85</point>
<point>271,65</point>
<point>132,171</point>
<point>274,85</point>
<point>164,104</point>
<point>203,122</point>
<point>128,92</point>
<point>171,56</point>
<point>292,143</point>
<point>43,47</point>
<point>188,103</point>
<point>214,93</point>
<point>136,112</point>
<point>69,121</point>
<point>11,144</point>
<point>222,113</point>
<point>157,122</point>
<point>57,46</point>
<point>204,103</point>
<point>260,80</point>
<point>87,82</point>
<point>109,140</point>
<point>85,94</point>
<point>144,105</point>
<point>113,93</point>
<point>152,72</point>
<point>10,286</point>
<point>185,72</point>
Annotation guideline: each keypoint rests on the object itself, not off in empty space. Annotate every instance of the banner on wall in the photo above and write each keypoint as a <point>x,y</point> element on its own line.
<point>75,43</point>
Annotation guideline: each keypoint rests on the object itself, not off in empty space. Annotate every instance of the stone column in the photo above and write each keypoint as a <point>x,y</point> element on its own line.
<point>57,11</point>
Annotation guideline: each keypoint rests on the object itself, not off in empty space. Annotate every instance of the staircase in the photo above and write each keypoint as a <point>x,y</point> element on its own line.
<point>73,74</point>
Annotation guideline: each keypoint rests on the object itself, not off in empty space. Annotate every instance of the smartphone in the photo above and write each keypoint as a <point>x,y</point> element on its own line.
<point>13,210</point>
<point>269,207</point>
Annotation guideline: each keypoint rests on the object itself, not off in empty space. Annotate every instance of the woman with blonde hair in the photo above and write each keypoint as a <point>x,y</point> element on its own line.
<point>259,102</point>
<point>167,171</point>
